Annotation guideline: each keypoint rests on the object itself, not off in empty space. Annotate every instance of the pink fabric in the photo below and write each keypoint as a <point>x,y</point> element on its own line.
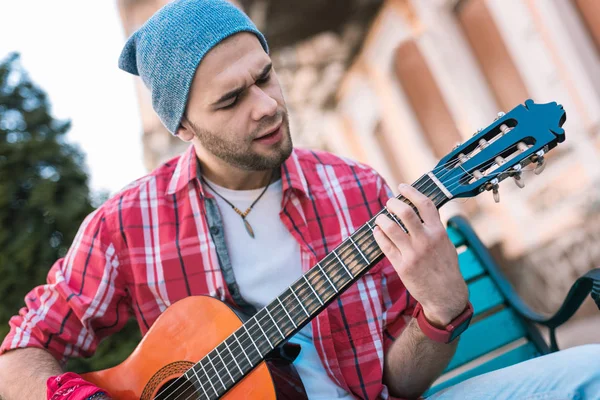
<point>69,386</point>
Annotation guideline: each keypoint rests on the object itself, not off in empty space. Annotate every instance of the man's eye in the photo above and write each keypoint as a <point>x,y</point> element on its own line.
<point>233,103</point>
<point>264,79</point>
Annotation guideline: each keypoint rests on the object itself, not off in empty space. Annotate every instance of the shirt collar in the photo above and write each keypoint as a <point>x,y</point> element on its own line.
<point>187,170</point>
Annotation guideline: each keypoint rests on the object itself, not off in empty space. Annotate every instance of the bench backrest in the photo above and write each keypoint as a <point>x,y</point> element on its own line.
<point>497,337</point>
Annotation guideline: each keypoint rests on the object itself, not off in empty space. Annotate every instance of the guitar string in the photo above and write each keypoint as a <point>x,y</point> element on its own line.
<point>278,314</point>
<point>301,291</point>
<point>305,288</point>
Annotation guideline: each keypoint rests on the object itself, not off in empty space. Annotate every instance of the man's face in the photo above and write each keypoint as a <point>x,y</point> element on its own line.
<point>236,109</point>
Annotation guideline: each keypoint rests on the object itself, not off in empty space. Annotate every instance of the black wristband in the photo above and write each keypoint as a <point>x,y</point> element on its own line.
<point>96,395</point>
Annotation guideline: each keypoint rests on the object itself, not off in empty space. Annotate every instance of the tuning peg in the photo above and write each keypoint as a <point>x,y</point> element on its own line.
<point>541,162</point>
<point>493,186</point>
<point>516,174</point>
<point>519,180</point>
<point>478,131</point>
<point>541,165</point>
<point>457,145</point>
<point>500,115</point>
<point>505,129</point>
<point>483,144</point>
<point>522,146</point>
<point>496,194</point>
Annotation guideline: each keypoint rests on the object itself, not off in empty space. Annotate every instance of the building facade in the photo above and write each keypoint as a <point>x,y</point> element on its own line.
<point>397,83</point>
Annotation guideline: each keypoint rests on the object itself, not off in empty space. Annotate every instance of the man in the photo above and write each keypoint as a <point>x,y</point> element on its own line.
<point>240,216</point>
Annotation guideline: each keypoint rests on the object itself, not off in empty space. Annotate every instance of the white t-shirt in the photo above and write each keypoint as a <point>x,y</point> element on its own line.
<point>267,265</point>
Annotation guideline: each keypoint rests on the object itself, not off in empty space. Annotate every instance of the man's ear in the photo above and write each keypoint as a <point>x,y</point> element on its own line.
<point>185,132</point>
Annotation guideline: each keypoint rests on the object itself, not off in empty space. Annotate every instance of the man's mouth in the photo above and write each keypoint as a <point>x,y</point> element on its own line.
<point>270,133</point>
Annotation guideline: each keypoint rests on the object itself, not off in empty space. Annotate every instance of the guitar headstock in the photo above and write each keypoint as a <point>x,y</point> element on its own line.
<point>510,143</point>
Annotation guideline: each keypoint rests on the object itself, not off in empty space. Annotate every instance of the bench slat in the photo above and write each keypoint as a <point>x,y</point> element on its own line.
<point>469,265</point>
<point>514,356</point>
<point>455,236</point>
<point>486,335</point>
<point>484,295</point>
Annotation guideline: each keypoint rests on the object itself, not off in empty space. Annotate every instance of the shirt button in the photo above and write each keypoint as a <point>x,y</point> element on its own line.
<point>214,230</point>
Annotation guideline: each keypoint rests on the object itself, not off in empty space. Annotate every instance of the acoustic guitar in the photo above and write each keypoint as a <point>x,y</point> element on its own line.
<point>200,349</point>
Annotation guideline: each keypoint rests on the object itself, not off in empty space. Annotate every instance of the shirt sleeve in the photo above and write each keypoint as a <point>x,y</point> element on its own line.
<point>398,305</point>
<point>84,300</point>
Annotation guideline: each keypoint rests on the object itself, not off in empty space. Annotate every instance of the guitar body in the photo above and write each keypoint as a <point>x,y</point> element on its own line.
<point>180,337</point>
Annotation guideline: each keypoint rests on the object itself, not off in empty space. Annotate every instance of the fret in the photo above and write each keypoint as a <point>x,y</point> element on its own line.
<point>216,371</point>
<point>369,225</point>
<point>275,323</point>
<point>263,332</point>
<point>359,251</point>
<point>327,277</point>
<point>209,379</point>
<point>198,380</point>
<point>233,358</point>
<point>284,309</point>
<point>297,298</point>
<point>224,365</point>
<point>400,224</point>
<point>242,348</point>
<point>252,340</point>
<point>343,265</point>
<point>313,289</point>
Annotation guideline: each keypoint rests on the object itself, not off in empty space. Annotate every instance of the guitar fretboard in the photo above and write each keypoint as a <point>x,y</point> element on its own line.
<point>274,324</point>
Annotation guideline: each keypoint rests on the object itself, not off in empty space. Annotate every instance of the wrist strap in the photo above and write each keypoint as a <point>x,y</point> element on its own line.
<point>71,386</point>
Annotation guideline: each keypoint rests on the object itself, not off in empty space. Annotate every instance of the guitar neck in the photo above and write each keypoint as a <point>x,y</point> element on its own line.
<point>300,302</point>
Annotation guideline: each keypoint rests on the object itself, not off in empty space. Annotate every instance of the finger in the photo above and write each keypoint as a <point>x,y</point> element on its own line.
<point>394,232</point>
<point>406,214</point>
<point>427,210</point>
<point>387,246</point>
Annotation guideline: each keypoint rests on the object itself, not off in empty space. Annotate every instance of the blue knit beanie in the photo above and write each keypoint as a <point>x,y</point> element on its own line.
<point>166,51</point>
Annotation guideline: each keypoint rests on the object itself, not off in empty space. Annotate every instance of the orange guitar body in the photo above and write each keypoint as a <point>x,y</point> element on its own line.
<point>180,337</point>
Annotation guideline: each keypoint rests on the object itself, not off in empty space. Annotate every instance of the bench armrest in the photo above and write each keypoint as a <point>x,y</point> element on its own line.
<point>590,282</point>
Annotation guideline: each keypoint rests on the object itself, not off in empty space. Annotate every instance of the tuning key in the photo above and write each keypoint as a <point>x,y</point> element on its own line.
<point>493,186</point>
<point>496,194</point>
<point>519,180</point>
<point>540,160</point>
<point>516,174</point>
<point>500,115</point>
<point>541,165</point>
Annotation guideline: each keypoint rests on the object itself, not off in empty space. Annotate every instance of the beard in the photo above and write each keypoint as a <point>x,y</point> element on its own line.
<point>240,153</point>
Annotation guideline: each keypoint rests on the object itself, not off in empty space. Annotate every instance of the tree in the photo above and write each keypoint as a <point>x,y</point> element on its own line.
<point>44,197</point>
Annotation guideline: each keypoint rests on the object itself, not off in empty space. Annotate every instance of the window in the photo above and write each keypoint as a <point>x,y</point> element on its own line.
<point>426,99</point>
<point>490,52</point>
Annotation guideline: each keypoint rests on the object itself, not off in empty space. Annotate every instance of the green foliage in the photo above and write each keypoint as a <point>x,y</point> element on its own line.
<point>44,196</point>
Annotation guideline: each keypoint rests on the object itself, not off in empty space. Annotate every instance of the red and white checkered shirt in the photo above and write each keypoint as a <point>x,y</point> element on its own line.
<point>151,245</point>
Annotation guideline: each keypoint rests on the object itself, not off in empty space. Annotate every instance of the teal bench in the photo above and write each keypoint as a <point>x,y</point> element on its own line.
<point>502,331</point>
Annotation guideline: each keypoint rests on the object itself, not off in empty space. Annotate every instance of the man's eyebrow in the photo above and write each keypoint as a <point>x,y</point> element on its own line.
<point>265,70</point>
<point>237,91</point>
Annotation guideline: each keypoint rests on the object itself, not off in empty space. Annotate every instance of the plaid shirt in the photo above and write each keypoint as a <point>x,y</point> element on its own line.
<point>153,244</point>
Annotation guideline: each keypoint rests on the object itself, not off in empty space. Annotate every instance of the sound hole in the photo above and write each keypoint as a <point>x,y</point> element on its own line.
<point>180,390</point>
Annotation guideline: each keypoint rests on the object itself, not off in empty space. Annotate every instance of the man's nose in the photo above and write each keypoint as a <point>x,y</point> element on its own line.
<point>263,105</point>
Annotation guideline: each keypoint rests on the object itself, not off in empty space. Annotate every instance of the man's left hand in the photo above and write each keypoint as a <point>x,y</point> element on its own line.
<point>424,258</point>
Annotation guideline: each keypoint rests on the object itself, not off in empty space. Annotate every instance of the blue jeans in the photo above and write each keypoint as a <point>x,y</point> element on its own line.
<point>572,374</point>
